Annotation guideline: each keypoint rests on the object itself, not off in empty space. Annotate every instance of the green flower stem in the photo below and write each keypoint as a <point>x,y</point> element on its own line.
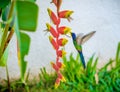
<point>4,36</point>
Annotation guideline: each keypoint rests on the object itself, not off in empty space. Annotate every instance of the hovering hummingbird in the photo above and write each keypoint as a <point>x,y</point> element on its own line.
<point>78,41</point>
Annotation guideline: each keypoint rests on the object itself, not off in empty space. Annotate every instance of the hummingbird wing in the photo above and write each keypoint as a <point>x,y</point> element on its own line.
<point>79,38</point>
<point>87,37</point>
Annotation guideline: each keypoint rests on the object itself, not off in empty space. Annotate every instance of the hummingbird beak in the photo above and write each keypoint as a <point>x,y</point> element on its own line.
<point>69,35</point>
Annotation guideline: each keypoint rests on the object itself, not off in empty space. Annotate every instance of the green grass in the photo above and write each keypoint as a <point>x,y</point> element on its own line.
<point>77,79</point>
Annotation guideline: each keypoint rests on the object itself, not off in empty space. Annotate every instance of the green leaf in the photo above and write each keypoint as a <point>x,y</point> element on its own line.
<point>24,44</point>
<point>118,54</point>
<point>4,57</point>
<point>95,64</point>
<point>104,68</point>
<point>3,60</point>
<point>27,15</point>
<point>4,3</point>
<point>26,19</point>
<point>5,13</point>
<point>23,49</point>
<point>31,0</point>
<point>89,65</point>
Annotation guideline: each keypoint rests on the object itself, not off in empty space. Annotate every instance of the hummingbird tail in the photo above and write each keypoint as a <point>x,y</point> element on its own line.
<point>82,59</point>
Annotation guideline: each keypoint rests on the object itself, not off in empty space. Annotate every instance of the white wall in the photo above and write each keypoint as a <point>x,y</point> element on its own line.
<point>100,15</point>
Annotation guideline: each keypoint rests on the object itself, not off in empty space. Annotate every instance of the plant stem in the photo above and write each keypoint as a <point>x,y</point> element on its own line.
<point>0,12</point>
<point>8,39</point>
<point>4,36</point>
<point>8,80</point>
<point>26,80</point>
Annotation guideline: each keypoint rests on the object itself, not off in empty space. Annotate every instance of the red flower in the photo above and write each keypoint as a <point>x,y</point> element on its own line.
<point>52,30</point>
<point>60,64</point>
<point>53,42</point>
<point>65,14</point>
<point>55,66</point>
<point>62,41</point>
<point>61,53</point>
<point>61,77</point>
<point>57,4</point>
<point>64,30</point>
<point>57,82</point>
<point>53,17</point>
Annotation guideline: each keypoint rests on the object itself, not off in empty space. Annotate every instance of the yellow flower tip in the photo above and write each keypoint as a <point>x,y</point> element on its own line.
<point>63,65</point>
<point>56,85</point>
<point>69,13</point>
<point>64,41</point>
<point>48,26</point>
<point>51,63</point>
<point>72,12</point>
<point>50,38</point>
<point>64,52</point>
<point>67,30</point>
<point>49,10</point>
<point>63,79</point>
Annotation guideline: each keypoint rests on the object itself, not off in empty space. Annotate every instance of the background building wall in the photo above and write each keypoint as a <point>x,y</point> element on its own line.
<point>103,16</point>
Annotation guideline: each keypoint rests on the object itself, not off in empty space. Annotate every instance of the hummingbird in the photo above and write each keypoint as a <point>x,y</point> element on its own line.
<point>78,41</point>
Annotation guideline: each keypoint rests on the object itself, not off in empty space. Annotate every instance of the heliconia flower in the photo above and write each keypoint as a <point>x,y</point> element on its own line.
<point>60,65</point>
<point>61,53</point>
<point>63,79</point>
<point>62,41</point>
<point>60,76</point>
<point>65,14</point>
<point>55,66</point>
<point>64,30</point>
<point>51,30</point>
<point>57,3</point>
<point>53,17</point>
<point>57,82</point>
<point>53,42</point>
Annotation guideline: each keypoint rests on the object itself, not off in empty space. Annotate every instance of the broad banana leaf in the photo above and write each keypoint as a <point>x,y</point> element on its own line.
<point>27,15</point>
<point>26,20</point>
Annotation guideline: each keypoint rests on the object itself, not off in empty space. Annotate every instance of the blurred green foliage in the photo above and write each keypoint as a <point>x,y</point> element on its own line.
<point>77,79</point>
<point>17,15</point>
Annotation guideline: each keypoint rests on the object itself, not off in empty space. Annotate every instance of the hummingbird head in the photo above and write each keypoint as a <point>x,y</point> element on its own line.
<point>73,36</point>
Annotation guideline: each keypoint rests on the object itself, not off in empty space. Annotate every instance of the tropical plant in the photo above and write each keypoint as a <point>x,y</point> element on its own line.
<point>77,79</point>
<point>16,16</point>
<point>56,39</point>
